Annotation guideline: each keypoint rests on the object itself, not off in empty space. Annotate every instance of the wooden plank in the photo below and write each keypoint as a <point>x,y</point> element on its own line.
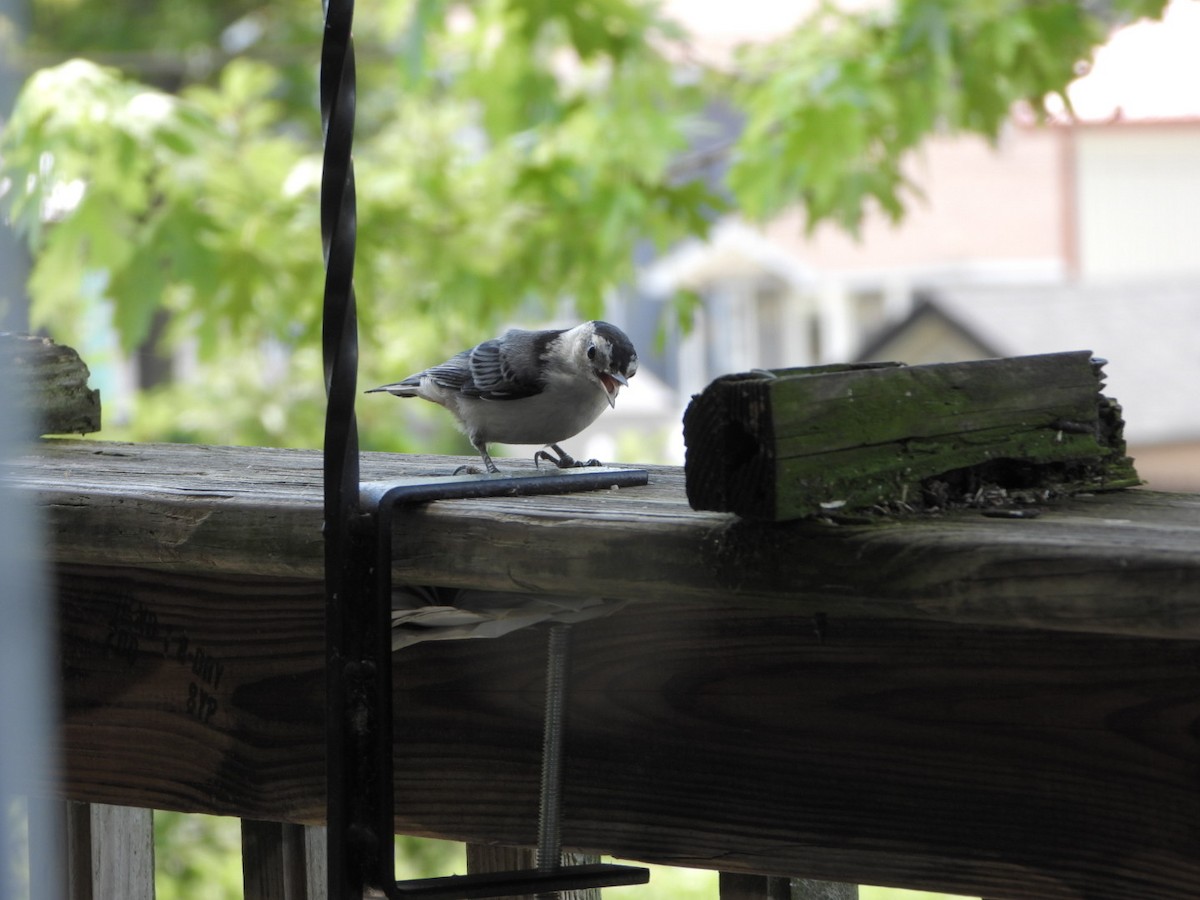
<point>850,702</point>
<point>736,886</point>
<point>123,852</point>
<point>79,851</point>
<point>808,889</point>
<point>1121,563</point>
<point>274,861</point>
<point>316,850</point>
<point>55,387</point>
<point>788,444</point>
<point>847,758</point>
<point>980,761</point>
<point>482,858</point>
<point>498,858</point>
<point>263,876</point>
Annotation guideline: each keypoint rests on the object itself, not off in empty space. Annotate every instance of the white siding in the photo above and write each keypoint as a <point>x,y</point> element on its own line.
<point>1138,191</point>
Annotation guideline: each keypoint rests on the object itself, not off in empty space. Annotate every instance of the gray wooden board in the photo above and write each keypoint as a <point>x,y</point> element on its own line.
<point>999,762</point>
<point>780,445</point>
<point>997,708</point>
<point>1123,563</point>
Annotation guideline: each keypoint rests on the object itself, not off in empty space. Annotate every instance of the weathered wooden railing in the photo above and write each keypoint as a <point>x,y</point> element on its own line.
<point>989,707</point>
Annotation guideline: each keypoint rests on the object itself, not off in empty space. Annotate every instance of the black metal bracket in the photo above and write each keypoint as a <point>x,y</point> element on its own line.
<point>359,729</point>
<point>511,884</point>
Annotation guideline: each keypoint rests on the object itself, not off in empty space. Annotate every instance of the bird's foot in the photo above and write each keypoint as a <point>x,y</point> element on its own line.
<point>469,470</point>
<point>563,460</point>
<point>487,460</point>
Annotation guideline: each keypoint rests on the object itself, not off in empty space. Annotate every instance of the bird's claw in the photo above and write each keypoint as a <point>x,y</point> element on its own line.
<point>563,460</point>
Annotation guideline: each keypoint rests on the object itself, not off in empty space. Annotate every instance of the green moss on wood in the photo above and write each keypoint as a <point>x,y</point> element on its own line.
<point>789,444</point>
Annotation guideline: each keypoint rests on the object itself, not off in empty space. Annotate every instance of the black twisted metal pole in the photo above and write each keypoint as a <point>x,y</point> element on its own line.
<point>338,232</point>
<point>354,843</point>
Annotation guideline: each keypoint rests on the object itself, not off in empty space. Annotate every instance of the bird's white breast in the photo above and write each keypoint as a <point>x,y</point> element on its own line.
<point>566,407</point>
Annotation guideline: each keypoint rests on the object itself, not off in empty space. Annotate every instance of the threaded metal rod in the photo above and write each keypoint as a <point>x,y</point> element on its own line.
<point>549,852</point>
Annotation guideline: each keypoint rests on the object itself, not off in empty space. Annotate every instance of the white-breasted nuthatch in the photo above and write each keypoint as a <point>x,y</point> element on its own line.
<point>529,387</point>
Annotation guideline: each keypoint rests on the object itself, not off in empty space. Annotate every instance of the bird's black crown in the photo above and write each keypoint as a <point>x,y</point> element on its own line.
<point>623,353</point>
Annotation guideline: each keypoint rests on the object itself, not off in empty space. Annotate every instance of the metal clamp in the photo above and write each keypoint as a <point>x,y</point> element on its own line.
<point>359,735</point>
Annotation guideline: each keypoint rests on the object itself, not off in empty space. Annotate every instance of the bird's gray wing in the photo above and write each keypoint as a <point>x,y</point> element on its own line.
<point>506,368</point>
<point>454,373</point>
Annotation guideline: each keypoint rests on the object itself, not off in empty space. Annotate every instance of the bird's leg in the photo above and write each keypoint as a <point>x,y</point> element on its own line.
<point>481,446</point>
<point>564,460</point>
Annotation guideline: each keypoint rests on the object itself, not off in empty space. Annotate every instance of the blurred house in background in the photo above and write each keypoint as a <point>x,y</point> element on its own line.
<point>1080,234</point>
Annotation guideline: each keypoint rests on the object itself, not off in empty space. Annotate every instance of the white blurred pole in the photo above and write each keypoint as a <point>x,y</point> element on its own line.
<point>30,815</point>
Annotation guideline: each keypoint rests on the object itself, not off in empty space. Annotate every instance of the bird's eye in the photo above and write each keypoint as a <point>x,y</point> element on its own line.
<point>592,352</point>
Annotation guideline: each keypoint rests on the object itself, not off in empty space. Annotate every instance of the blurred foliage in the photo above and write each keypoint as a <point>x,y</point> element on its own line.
<point>510,155</point>
<point>517,171</point>
<point>199,857</point>
<point>836,108</point>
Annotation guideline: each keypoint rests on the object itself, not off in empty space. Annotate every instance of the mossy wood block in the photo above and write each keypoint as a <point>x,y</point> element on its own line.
<point>786,444</point>
<point>54,384</point>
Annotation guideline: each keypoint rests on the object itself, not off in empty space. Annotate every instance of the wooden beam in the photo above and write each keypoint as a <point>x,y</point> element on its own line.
<point>735,886</point>
<point>79,851</point>
<point>110,852</point>
<point>1122,563</point>
<point>808,889</point>
<point>988,761</point>
<point>992,708</point>
<point>275,861</point>
<point>316,855</point>
<point>797,442</point>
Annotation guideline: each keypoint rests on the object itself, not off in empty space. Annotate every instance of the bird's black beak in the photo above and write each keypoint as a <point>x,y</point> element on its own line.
<point>612,382</point>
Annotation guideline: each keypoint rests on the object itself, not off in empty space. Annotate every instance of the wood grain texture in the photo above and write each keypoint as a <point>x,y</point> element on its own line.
<point>189,693</point>
<point>997,762</point>
<point>992,708</point>
<point>807,889</point>
<point>274,861</point>
<point>778,445</point>
<point>122,852</point>
<point>1000,762</point>
<point>1120,563</point>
